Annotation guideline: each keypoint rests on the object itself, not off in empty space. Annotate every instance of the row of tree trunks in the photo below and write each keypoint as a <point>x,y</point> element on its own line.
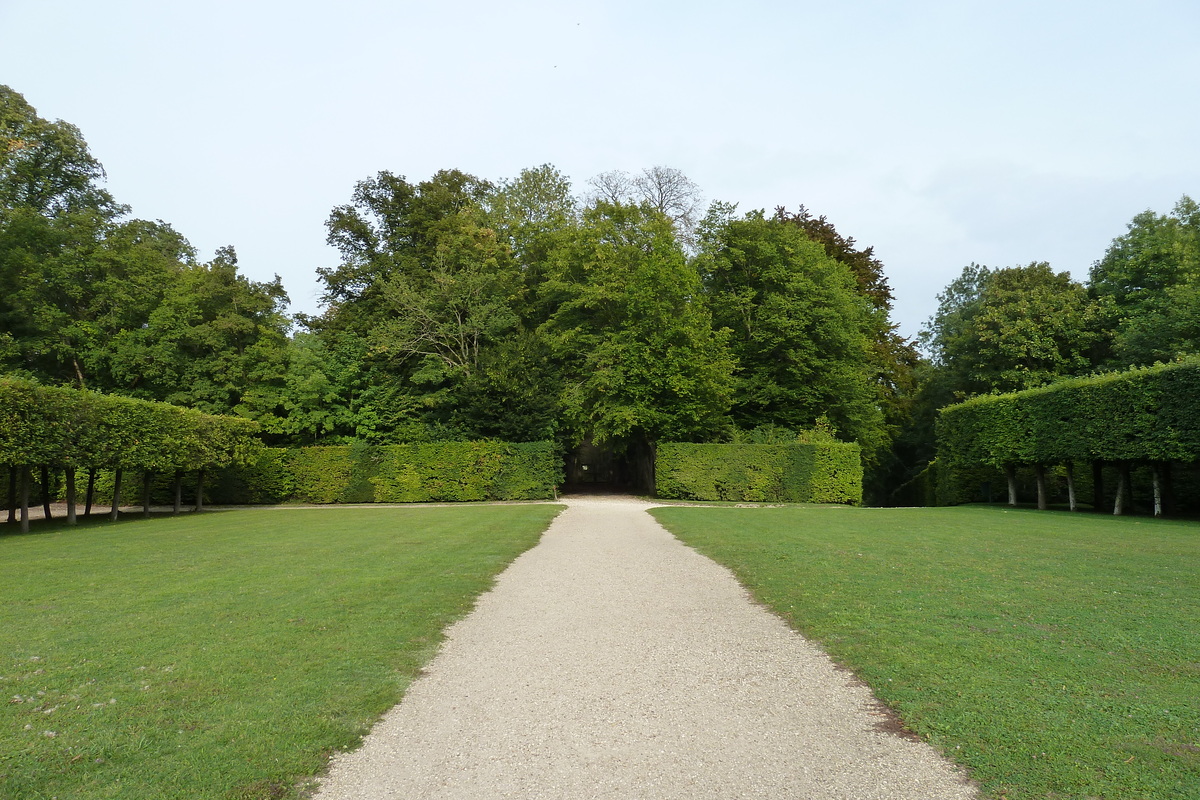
<point>1122,502</point>
<point>20,482</point>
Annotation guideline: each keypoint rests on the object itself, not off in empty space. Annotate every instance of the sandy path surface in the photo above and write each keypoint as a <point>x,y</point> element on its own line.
<point>611,661</point>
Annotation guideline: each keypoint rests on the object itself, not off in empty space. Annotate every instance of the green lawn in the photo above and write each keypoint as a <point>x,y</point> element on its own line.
<point>1056,655</point>
<point>226,655</point>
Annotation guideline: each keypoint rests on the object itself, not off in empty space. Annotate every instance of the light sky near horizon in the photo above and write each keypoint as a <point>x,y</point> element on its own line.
<point>941,133</point>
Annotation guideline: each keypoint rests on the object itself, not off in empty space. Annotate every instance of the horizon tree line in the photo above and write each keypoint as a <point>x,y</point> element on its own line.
<point>629,313</point>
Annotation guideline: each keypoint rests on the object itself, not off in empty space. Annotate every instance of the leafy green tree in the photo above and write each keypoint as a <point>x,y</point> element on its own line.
<point>1158,251</point>
<point>800,330</point>
<point>867,269</point>
<point>434,287</point>
<point>46,167</point>
<point>893,358</point>
<point>306,407</point>
<point>445,314</point>
<point>1165,331</point>
<point>1012,328</point>
<point>1150,279</point>
<point>214,337</point>
<point>119,305</point>
<point>641,360</point>
<point>53,215</point>
<point>73,304</point>
<point>391,227</point>
<point>529,214</point>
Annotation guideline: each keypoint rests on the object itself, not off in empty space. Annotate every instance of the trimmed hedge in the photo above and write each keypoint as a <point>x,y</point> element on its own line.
<point>1150,414</point>
<point>412,473</point>
<point>820,472</point>
<point>59,427</point>
<point>1143,416</point>
<point>62,430</point>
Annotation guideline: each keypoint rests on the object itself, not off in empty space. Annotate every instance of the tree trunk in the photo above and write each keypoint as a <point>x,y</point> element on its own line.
<point>45,473</point>
<point>1158,501</point>
<point>116,499</point>
<point>147,479</point>
<point>12,493</point>
<point>178,491</point>
<point>200,490</point>
<point>1010,472</point>
<point>1040,472</point>
<point>26,480</point>
<point>1121,504</point>
<point>1097,485</point>
<point>69,474</point>
<point>1127,477</point>
<point>1071,486</point>
<point>91,492</point>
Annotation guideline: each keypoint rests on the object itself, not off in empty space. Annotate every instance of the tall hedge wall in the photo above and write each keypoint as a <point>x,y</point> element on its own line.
<point>1149,416</point>
<point>412,473</point>
<point>59,427</point>
<point>56,431</point>
<point>823,472</point>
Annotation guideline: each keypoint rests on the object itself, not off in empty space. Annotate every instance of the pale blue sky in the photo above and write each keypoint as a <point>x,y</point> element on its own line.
<point>939,132</point>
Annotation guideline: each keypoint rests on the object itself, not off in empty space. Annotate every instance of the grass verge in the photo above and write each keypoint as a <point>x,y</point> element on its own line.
<point>1056,655</point>
<point>226,655</point>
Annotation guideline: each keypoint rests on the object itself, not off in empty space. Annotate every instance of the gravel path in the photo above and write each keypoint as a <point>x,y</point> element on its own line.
<point>611,661</point>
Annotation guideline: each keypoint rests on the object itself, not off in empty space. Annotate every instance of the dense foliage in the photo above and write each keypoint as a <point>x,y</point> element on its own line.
<point>799,472</point>
<point>96,300</point>
<point>68,429</point>
<point>1148,414</point>
<point>794,473</point>
<point>61,427</point>
<point>1145,415</point>
<point>467,309</point>
<point>1016,328</point>
<point>414,473</point>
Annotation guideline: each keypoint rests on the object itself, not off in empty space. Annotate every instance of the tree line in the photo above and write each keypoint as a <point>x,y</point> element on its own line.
<point>626,311</point>
<point>1008,329</point>
<point>58,429</point>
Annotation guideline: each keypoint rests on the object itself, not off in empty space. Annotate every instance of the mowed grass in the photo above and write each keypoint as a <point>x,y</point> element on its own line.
<point>226,655</point>
<point>1056,655</point>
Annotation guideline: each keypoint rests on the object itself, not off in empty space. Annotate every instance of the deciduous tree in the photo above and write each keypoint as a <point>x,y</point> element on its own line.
<point>1150,277</point>
<point>1013,328</point>
<point>799,328</point>
<point>642,362</point>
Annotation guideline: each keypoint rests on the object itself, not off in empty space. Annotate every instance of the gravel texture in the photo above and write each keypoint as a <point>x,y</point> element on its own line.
<point>611,661</point>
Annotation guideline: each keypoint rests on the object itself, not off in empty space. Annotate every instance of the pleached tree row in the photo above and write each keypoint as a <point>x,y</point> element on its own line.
<point>1143,417</point>
<point>68,431</point>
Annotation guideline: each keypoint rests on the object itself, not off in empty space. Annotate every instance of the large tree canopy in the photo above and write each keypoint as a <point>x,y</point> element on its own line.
<point>1012,328</point>
<point>459,308</point>
<point>509,309</point>
<point>91,298</point>
<point>638,351</point>
<point>46,167</point>
<point>1149,280</point>
<point>800,330</point>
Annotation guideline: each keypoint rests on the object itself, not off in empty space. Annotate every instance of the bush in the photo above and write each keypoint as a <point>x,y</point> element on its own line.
<point>56,426</point>
<point>816,472</point>
<point>319,474</point>
<point>412,473</point>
